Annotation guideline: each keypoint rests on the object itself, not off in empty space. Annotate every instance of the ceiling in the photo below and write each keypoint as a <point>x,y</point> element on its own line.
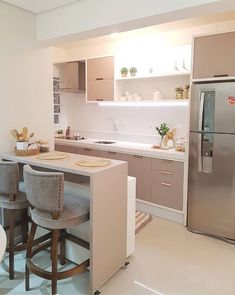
<point>39,6</point>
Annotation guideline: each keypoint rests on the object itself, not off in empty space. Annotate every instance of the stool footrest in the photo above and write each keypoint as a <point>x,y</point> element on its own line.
<point>59,275</point>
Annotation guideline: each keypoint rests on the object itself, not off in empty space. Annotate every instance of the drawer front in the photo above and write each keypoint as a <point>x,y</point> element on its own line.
<point>167,166</point>
<point>102,90</point>
<point>167,194</point>
<point>100,68</point>
<point>167,183</point>
<point>65,148</point>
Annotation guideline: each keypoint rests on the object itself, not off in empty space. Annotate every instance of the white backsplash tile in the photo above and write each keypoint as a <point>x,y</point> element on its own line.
<point>130,123</point>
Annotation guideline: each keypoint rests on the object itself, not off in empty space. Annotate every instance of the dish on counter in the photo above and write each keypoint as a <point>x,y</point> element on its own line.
<point>53,156</point>
<point>93,162</point>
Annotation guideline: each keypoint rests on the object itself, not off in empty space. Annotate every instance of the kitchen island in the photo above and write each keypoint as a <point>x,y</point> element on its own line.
<point>108,209</point>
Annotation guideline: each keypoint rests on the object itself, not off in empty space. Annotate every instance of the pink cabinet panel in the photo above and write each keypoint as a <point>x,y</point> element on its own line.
<point>100,68</point>
<point>214,55</point>
<point>167,183</point>
<point>102,90</point>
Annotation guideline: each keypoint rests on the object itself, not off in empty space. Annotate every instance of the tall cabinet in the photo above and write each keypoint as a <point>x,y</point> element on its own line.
<point>100,79</point>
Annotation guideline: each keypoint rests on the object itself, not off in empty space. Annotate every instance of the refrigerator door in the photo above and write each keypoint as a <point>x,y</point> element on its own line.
<point>213,107</point>
<point>211,194</point>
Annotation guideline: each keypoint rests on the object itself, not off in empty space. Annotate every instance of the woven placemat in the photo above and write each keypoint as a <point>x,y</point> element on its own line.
<point>93,162</point>
<point>53,156</point>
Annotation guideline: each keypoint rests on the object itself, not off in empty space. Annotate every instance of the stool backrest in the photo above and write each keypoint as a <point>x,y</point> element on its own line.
<point>9,178</point>
<point>45,190</point>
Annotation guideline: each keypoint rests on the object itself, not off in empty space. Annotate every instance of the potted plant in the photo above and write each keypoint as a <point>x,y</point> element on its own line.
<point>124,72</point>
<point>186,91</point>
<point>60,132</point>
<point>22,138</point>
<point>179,92</point>
<point>133,71</point>
<point>162,130</point>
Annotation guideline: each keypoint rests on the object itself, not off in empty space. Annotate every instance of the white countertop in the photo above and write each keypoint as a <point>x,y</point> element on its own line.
<point>65,165</point>
<point>126,147</point>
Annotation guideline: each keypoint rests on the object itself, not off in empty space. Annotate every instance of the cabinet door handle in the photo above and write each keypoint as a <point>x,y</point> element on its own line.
<point>86,149</point>
<point>167,172</point>
<point>99,79</point>
<point>167,161</point>
<point>221,75</point>
<point>99,99</point>
<point>166,184</point>
<point>114,153</point>
<point>138,156</point>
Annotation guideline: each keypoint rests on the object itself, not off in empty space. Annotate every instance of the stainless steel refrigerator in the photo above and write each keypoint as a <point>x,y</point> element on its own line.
<point>211,186</point>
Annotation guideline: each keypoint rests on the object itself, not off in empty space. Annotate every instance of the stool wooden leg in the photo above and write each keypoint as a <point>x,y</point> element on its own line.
<point>54,250</point>
<point>25,226</point>
<point>62,247</point>
<point>11,243</point>
<point>29,253</point>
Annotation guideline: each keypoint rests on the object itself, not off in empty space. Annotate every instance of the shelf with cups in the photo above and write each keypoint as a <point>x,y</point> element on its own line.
<point>169,87</point>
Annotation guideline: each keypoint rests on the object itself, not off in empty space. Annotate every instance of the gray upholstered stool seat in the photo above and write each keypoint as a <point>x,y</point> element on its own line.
<point>73,214</point>
<point>56,211</point>
<point>20,202</point>
<point>12,198</point>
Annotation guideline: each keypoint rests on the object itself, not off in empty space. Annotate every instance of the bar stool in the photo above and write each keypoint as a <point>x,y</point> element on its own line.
<point>45,192</point>
<point>11,199</point>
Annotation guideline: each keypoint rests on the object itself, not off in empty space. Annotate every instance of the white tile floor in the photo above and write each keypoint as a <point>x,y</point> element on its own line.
<point>168,260</point>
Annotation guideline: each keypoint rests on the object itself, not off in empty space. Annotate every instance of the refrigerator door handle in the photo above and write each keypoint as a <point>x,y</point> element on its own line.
<point>199,152</point>
<point>201,110</point>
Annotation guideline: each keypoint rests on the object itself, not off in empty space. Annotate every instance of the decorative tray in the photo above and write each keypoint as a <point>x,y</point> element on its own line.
<point>30,152</point>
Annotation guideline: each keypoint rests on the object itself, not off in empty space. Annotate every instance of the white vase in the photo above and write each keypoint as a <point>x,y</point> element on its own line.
<point>22,145</point>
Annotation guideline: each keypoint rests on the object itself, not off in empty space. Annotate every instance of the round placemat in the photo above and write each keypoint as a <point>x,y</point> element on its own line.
<point>93,163</point>
<point>52,156</point>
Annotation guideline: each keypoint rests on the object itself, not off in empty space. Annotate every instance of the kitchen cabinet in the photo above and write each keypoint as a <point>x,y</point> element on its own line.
<point>158,181</point>
<point>214,56</point>
<point>140,167</point>
<point>100,79</point>
<point>74,77</point>
<point>167,183</point>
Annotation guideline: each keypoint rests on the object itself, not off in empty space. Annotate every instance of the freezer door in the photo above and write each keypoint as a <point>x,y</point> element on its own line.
<point>213,107</point>
<point>211,191</point>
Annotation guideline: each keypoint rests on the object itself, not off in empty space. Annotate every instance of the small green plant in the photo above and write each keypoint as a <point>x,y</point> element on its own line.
<point>133,71</point>
<point>124,71</point>
<point>60,131</point>
<point>162,129</point>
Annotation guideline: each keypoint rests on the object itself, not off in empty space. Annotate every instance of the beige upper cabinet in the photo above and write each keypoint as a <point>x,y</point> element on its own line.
<point>74,77</point>
<point>214,56</point>
<point>100,79</point>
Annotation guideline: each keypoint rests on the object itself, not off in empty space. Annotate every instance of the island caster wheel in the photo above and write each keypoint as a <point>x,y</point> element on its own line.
<point>97,292</point>
<point>125,265</point>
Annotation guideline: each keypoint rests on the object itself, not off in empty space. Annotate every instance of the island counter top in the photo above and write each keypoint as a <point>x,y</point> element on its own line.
<point>66,165</point>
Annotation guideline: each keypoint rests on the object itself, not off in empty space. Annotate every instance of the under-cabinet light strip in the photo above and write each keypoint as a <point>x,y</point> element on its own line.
<point>143,104</point>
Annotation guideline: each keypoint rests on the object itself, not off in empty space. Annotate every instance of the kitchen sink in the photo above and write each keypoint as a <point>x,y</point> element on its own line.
<point>105,142</point>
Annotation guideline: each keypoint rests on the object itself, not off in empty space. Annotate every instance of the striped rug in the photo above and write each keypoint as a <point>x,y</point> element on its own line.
<point>141,220</point>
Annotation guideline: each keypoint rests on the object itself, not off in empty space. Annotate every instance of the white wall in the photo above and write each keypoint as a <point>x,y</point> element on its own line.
<point>89,18</point>
<point>133,123</point>
<point>25,78</point>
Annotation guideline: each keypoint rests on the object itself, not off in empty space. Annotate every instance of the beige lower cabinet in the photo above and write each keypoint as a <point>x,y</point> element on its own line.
<point>157,181</point>
<point>139,167</point>
<point>167,183</point>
